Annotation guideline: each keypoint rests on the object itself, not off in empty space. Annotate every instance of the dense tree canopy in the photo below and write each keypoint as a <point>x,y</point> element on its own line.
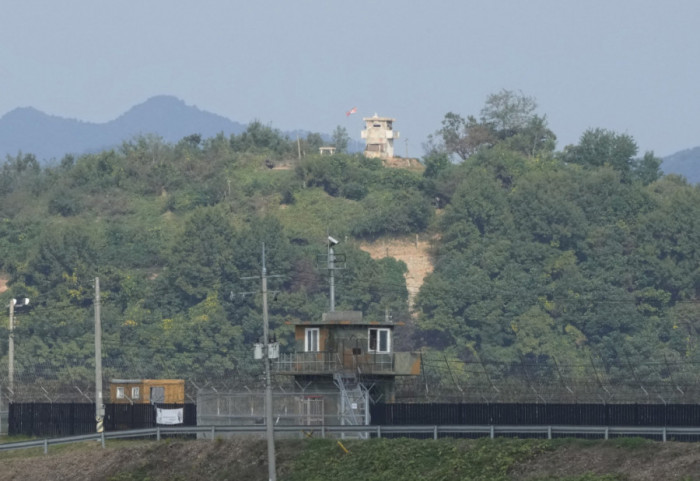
<point>537,254</point>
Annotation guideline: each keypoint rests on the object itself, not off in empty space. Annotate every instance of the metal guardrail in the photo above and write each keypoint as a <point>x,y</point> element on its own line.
<point>492,431</point>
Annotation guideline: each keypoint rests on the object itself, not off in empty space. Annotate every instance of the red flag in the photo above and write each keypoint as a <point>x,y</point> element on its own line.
<point>351,111</point>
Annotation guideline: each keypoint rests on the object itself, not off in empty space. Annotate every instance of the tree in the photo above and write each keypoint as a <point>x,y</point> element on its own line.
<point>18,171</point>
<point>261,138</point>
<point>464,137</point>
<point>646,169</point>
<point>508,112</point>
<point>537,335</point>
<point>479,208</point>
<point>506,115</point>
<point>341,139</point>
<point>392,212</point>
<point>534,138</point>
<point>599,147</point>
<point>202,257</point>
<point>434,164</point>
<point>312,143</point>
<point>545,208</point>
<point>193,139</point>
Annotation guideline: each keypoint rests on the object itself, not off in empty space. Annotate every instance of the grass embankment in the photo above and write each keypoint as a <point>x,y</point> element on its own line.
<point>409,459</point>
<point>378,459</point>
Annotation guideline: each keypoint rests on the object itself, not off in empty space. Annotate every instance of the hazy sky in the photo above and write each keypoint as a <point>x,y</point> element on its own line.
<point>632,66</point>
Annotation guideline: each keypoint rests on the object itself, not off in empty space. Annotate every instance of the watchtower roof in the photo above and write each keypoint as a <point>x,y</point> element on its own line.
<point>377,117</point>
<point>344,318</point>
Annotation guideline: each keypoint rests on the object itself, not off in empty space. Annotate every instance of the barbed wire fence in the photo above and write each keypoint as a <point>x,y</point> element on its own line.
<point>442,379</point>
<point>598,381</point>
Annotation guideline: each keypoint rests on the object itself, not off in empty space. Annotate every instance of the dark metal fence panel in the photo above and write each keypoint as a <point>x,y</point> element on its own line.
<point>470,413</point>
<point>683,415</point>
<point>69,419</point>
<point>36,419</point>
<point>519,414</point>
<point>621,414</point>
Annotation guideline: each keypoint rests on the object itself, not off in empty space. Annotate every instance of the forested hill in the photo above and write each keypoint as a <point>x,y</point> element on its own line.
<point>538,253</point>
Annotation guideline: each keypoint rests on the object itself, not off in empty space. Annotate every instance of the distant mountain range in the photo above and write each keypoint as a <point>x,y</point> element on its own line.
<point>50,138</point>
<point>685,163</point>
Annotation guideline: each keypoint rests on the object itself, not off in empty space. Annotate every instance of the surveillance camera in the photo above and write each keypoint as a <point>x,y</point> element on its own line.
<point>333,242</point>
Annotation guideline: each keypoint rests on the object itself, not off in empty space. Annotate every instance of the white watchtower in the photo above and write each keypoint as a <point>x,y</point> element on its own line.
<point>379,134</point>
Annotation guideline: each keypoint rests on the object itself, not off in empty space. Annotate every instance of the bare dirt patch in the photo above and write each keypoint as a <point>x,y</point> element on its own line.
<point>403,163</point>
<point>193,460</point>
<point>415,253</point>
<point>651,461</point>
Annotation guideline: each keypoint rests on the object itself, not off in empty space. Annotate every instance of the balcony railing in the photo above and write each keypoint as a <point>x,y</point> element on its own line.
<point>374,363</point>
<point>325,362</point>
<point>308,362</point>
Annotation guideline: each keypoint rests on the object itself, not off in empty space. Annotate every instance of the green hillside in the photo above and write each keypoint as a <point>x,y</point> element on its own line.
<point>538,254</point>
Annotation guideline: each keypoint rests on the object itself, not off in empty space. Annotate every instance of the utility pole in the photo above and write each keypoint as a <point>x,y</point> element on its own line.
<point>11,344</point>
<point>270,429</point>
<point>332,263</point>
<point>99,402</point>
<point>266,354</point>
<point>11,349</point>
<point>331,269</point>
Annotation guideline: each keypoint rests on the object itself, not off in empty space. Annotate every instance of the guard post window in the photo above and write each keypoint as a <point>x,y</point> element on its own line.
<point>120,392</point>
<point>311,342</point>
<point>379,340</point>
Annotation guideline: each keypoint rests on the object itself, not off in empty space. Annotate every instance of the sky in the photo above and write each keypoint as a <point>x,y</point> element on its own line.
<point>630,66</point>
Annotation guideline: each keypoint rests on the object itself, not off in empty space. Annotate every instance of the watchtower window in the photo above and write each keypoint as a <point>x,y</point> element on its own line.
<point>311,340</point>
<point>379,340</point>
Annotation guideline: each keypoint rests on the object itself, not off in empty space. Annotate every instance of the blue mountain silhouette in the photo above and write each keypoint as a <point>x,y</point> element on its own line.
<point>49,137</point>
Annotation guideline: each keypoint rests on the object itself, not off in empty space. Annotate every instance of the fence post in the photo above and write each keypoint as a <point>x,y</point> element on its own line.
<point>663,435</point>
<point>379,431</point>
<point>493,433</point>
<point>435,433</point>
<point>606,432</point>
<point>213,432</point>
<point>549,432</point>
<point>157,433</point>
<point>71,417</point>
<point>102,436</point>
<point>46,446</point>
<point>323,431</point>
